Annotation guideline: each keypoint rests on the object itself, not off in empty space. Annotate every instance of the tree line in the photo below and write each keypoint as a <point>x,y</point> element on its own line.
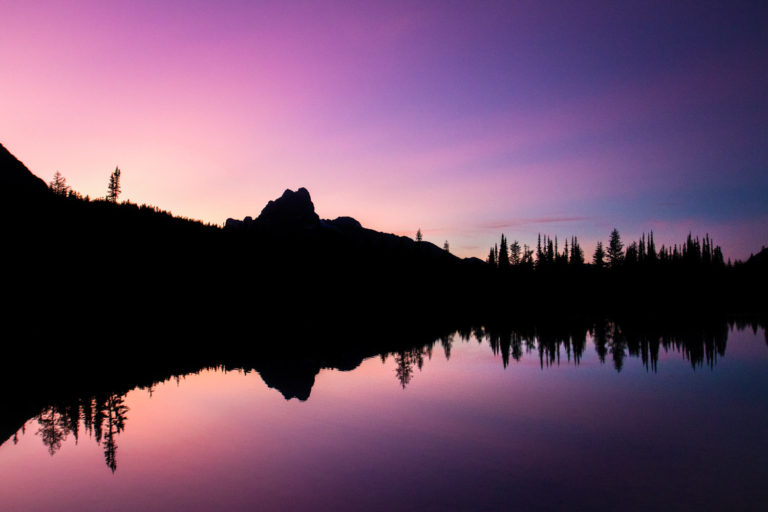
<point>694,251</point>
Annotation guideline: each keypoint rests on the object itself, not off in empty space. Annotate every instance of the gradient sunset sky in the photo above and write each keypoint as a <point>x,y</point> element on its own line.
<point>466,119</point>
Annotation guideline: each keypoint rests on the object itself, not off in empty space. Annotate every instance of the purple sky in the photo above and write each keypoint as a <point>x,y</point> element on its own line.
<point>466,119</point>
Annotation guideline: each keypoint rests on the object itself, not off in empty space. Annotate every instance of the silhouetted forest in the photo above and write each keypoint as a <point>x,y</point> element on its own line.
<point>101,265</point>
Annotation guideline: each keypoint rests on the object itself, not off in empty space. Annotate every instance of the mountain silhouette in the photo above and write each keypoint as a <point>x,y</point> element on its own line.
<point>107,263</point>
<point>15,178</point>
<point>293,215</point>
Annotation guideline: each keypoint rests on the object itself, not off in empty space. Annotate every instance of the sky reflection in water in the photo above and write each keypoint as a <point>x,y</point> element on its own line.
<point>457,433</point>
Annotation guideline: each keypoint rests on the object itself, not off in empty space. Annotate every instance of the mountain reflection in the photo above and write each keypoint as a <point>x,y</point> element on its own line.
<point>102,414</point>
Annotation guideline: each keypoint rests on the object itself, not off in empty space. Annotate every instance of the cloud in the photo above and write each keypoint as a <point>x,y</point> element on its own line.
<point>514,223</point>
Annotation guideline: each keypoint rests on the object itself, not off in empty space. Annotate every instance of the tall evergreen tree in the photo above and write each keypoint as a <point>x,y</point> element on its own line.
<point>652,256</point>
<point>59,185</point>
<point>492,256</point>
<point>577,255</point>
<point>527,258</point>
<point>514,253</point>
<point>114,189</point>
<point>539,253</point>
<point>550,251</point>
<point>615,250</point>
<point>633,254</point>
<point>503,253</point>
<point>598,259</point>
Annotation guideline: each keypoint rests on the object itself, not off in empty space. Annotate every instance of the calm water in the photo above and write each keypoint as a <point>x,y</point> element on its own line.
<point>456,425</point>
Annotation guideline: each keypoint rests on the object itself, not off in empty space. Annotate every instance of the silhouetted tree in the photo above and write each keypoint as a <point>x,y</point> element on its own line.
<point>633,254</point>
<point>446,247</point>
<point>113,189</point>
<point>651,255</point>
<point>598,259</point>
<point>577,255</point>
<point>550,251</point>
<point>717,259</point>
<point>540,257</point>
<point>59,185</point>
<point>503,253</point>
<point>615,250</point>
<point>514,253</point>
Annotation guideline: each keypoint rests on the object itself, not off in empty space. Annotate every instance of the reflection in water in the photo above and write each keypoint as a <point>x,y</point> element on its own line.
<point>103,416</point>
<point>699,344</point>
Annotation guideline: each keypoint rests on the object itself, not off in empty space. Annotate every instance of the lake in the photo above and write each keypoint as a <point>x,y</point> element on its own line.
<point>478,420</point>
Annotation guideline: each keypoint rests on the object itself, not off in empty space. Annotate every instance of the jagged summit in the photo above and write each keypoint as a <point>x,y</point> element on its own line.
<point>14,176</point>
<point>293,215</point>
<point>291,210</point>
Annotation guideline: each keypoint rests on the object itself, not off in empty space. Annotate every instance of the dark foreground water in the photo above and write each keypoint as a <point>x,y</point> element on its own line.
<point>469,422</point>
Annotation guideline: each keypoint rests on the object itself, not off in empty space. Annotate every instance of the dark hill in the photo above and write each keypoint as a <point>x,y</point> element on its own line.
<point>15,178</point>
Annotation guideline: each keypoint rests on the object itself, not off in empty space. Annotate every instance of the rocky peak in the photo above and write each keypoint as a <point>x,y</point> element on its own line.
<point>292,210</point>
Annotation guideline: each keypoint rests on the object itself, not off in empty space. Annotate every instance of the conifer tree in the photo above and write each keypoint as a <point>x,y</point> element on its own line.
<point>59,185</point>
<point>539,253</point>
<point>503,258</point>
<point>598,259</point>
<point>114,189</point>
<point>615,250</point>
<point>633,255</point>
<point>492,257</point>
<point>514,253</point>
<point>419,236</point>
<point>577,255</point>
<point>652,257</point>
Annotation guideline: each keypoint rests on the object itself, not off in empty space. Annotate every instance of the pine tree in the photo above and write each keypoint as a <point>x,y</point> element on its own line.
<point>59,185</point>
<point>652,257</point>
<point>615,250</point>
<point>633,255</point>
<point>446,247</point>
<point>492,257</point>
<point>539,253</point>
<point>113,190</point>
<point>514,253</point>
<point>550,251</point>
<point>598,259</point>
<point>577,255</point>
<point>503,253</point>
<point>419,236</point>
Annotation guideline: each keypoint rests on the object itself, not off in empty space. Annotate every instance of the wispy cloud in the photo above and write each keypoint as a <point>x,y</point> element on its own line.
<point>516,223</point>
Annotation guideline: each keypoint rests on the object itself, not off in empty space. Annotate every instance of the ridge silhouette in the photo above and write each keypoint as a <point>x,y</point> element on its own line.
<point>98,263</point>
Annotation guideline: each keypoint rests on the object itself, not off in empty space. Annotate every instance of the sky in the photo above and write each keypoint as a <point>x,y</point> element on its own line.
<point>464,119</point>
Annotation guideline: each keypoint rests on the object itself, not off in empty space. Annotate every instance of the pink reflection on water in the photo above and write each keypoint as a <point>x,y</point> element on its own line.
<point>463,429</point>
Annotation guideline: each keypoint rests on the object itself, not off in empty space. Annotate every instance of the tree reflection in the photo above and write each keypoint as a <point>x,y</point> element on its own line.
<point>53,428</point>
<point>406,360</point>
<point>102,417</point>
<point>114,411</point>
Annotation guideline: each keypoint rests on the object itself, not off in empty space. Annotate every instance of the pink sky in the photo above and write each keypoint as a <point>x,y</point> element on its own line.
<point>461,120</point>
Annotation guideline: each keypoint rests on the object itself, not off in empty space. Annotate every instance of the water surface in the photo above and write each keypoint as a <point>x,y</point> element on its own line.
<point>474,421</point>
